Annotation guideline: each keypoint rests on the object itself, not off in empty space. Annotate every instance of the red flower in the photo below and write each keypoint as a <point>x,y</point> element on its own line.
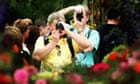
<point>74,79</point>
<point>127,50</point>
<point>100,67</point>
<point>124,54</point>
<point>136,67</point>
<point>113,56</point>
<point>4,79</point>
<point>5,58</point>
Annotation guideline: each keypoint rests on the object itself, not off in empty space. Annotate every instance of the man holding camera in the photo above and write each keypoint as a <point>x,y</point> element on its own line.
<point>81,17</point>
<point>56,53</point>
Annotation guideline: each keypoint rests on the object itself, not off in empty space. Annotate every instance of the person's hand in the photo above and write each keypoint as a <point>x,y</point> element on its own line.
<point>55,36</point>
<point>65,28</point>
<point>78,8</point>
<point>47,29</point>
<point>77,24</point>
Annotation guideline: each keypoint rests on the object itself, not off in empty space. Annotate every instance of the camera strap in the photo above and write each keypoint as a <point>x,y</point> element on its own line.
<point>69,41</point>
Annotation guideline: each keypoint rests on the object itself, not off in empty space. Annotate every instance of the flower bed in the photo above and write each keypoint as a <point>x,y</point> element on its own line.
<point>121,66</point>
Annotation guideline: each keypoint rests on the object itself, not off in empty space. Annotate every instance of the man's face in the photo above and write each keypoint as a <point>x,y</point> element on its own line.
<point>52,25</point>
<point>85,18</point>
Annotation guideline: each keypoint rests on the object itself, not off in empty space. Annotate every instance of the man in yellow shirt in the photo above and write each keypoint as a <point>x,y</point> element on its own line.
<point>56,52</point>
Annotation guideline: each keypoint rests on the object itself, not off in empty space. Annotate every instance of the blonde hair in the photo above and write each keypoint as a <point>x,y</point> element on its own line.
<point>55,15</point>
<point>22,24</point>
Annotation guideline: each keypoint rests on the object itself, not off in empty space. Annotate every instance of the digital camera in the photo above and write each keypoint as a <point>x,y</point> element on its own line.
<point>79,16</point>
<point>59,26</point>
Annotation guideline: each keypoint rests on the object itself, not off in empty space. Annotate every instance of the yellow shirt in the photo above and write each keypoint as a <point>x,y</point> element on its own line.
<point>58,56</point>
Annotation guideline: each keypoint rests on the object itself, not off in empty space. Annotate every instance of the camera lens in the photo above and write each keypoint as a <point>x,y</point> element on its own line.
<point>59,26</point>
<point>79,16</point>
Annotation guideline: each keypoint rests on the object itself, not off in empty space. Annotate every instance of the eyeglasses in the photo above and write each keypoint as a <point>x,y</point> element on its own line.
<point>59,51</point>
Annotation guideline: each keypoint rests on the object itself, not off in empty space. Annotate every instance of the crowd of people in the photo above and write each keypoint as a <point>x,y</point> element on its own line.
<point>55,43</point>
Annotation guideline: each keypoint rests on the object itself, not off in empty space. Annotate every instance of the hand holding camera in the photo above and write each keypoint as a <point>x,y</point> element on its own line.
<point>78,10</point>
<point>78,20</point>
<point>79,16</point>
<point>59,26</point>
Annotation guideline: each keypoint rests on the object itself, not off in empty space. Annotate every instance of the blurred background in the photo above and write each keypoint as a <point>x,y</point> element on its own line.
<point>10,10</point>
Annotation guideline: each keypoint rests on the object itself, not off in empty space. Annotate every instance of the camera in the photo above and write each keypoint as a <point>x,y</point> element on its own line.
<point>59,26</point>
<point>79,16</point>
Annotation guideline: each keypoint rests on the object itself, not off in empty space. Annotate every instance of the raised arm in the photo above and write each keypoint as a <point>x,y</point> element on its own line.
<point>66,10</point>
<point>42,51</point>
<point>76,8</point>
<point>81,40</point>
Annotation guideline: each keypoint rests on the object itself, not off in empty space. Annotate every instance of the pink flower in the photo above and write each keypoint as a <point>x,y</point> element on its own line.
<point>100,67</point>
<point>21,76</point>
<point>123,65</point>
<point>116,74</point>
<point>131,61</point>
<point>40,81</point>
<point>31,70</point>
<point>74,79</point>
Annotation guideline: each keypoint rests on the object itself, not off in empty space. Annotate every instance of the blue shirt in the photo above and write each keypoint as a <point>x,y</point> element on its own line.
<point>87,58</point>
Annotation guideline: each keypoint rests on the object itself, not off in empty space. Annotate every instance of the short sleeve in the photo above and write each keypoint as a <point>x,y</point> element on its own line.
<point>94,39</point>
<point>39,43</point>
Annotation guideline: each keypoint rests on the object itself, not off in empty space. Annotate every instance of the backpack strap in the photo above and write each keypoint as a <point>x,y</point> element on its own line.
<point>46,40</point>
<point>94,49</point>
<point>89,31</point>
<point>69,41</point>
<point>38,63</point>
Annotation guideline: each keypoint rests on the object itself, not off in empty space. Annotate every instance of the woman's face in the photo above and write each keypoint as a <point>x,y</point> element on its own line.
<point>26,33</point>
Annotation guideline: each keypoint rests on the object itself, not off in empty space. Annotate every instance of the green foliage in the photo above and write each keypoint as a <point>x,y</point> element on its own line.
<point>35,9</point>
<point>73,68</point>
